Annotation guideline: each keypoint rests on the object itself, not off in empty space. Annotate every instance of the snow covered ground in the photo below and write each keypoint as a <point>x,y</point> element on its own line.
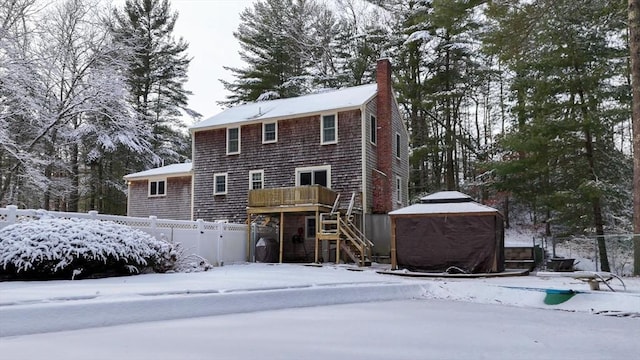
<point>291,311</point>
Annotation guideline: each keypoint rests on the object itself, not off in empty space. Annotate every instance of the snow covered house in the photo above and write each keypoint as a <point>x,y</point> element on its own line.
<point>290,159</point>
<point>448,231</point>
<point>163,192</point>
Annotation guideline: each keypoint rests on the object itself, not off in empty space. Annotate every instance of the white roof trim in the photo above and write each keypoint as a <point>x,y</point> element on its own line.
<point>173,170</point>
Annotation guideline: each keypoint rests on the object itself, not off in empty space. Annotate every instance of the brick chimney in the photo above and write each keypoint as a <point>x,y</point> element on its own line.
<point>383,175</point>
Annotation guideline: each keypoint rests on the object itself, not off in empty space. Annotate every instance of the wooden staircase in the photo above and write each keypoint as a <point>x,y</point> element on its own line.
<point>335,226</point>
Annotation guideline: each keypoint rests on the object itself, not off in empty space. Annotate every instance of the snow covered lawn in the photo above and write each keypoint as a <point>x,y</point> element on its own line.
<point>294,311</point>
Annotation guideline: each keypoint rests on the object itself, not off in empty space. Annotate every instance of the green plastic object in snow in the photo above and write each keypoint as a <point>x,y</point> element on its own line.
<point>556,296</point>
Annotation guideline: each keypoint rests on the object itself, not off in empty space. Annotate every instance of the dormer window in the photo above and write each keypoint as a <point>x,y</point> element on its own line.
<point>329,129</point>
<point>269,132</point>
<point>233,141</point>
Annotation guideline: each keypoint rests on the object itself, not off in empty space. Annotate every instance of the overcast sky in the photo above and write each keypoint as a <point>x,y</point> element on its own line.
<point>208,26</point>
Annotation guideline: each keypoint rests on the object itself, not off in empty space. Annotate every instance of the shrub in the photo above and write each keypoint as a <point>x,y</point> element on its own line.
<point>73,248</point>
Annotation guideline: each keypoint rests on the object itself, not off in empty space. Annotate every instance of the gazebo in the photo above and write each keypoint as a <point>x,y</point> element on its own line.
<point>447,231</point>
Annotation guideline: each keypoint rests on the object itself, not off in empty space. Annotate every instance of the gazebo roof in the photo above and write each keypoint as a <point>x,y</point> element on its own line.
<point>445,202</point>
<point>446,197</point>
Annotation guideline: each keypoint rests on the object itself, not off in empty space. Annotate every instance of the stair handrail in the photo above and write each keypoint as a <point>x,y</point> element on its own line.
<point>360,234</point>
<point>351,204</point>
<point>359,237</point>
<point>336,203</point>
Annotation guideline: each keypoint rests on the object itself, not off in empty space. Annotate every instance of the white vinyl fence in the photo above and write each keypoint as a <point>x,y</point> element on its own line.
<point>219,243</point>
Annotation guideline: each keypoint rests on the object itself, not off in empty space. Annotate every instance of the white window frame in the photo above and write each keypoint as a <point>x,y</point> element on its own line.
<point>373,131</point>
<point>398,150</point>
<point>398,189</point>
<point>312,169</point>
<point>335,129</point>
<point>229,141</point>
<point>156,181</point>
<point>264,126</point>
<point>251,173</point>
<point>215,183</point>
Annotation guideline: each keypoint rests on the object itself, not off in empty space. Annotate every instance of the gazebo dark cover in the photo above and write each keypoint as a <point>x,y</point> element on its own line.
<point>447,232</point>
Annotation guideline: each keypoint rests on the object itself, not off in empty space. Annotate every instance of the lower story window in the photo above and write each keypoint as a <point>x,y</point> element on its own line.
<point>256,179</point>
<point>310,227</point>
<point>157,187</point>
<point>220,183</point>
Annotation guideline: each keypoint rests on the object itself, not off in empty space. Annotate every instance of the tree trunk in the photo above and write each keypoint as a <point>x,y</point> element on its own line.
<point>598,221</point>
<point>507,224</point>
<point>634,46</point>
<point>74,193</point>
<point>448,131</point>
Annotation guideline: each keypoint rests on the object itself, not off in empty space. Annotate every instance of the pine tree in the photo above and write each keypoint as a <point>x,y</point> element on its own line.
<point>65,104</point>
<point>289,48</point>
<point>156,75</point>
<point>439,72</point>
<point>634,48</point>
<point>568,102</point>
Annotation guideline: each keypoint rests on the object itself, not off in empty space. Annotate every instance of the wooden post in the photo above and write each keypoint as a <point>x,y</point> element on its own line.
<point>317,231</point>
<point>281,235</point>
<point>394,260</point>
<point>338,240</point>
<point>249,229</point>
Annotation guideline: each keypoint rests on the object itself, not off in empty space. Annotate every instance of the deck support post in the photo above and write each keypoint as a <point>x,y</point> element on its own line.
<point>394,259</point>
<point>281,235</point>
<point>317,230</point>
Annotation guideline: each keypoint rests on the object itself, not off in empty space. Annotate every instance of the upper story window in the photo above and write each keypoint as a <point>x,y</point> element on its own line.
<point>219,183</point>
<point>398,147</point>
<point>233,141</point>
<point>329,129</point>
<point>256,179</point>
<point>269,132</point>
<point>373,130</point>
<point>158,187</point>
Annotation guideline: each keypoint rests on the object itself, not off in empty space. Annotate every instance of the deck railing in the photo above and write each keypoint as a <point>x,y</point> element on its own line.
<point>291,196</point>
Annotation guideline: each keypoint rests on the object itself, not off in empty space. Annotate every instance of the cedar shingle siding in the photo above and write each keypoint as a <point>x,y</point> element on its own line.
<point>176,204</point>
<point>298,146</point>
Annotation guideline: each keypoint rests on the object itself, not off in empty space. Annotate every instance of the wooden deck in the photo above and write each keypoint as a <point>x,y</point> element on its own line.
<point>291,199</point>
<point>321,202</point>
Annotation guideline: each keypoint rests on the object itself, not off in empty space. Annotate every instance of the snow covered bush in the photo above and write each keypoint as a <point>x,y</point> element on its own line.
<point>73,248</point>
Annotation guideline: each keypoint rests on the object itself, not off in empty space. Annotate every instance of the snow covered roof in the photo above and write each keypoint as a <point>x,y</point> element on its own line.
<point>169,170</point>
<point>445,202</point>
<point>446,197</point>
<point>444,208</point>
<point>352,97</point>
